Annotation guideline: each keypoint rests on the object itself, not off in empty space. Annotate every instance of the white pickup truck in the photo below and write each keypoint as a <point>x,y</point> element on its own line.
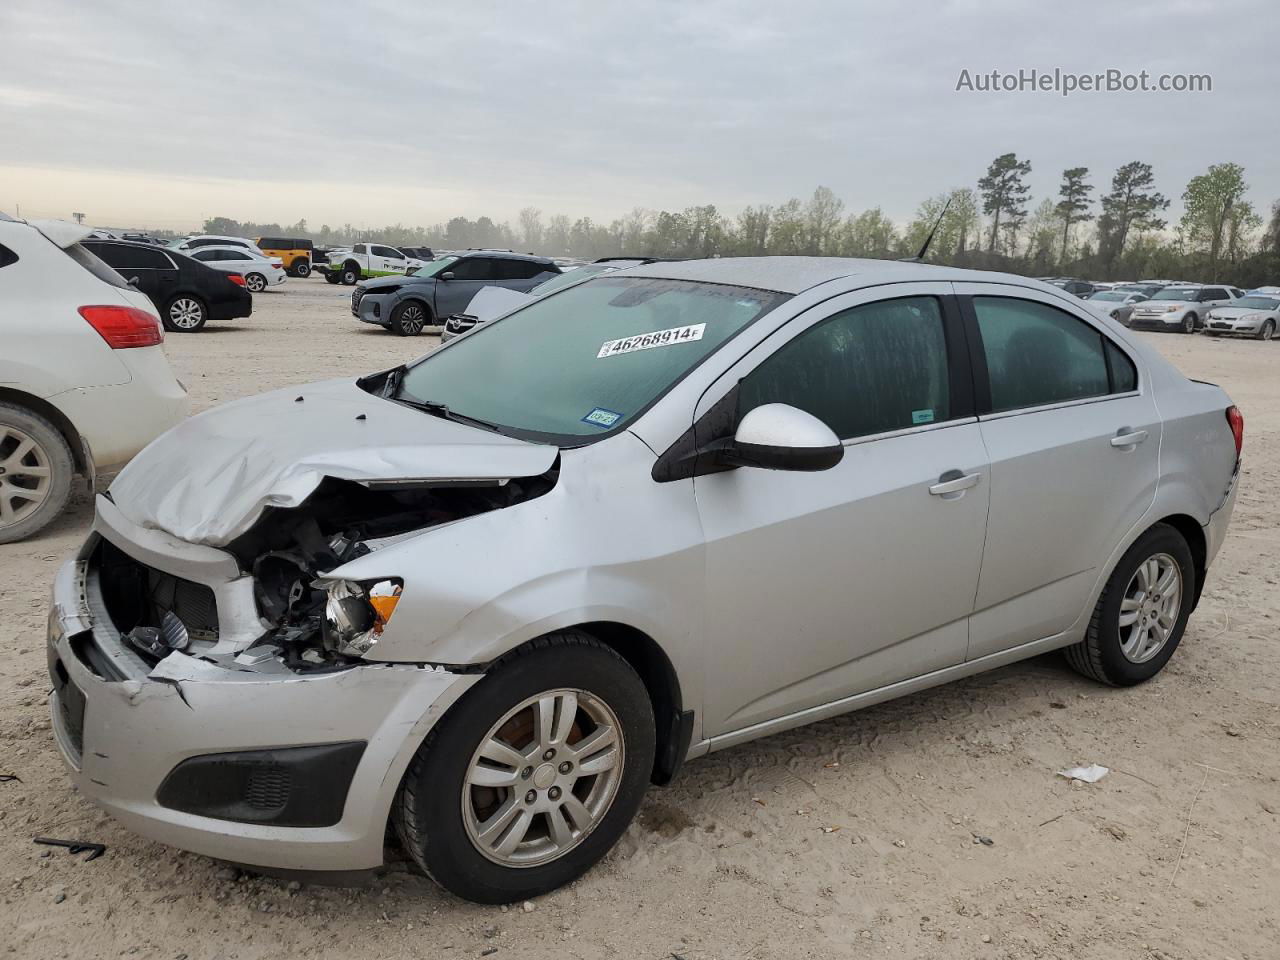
<point>366,260</point>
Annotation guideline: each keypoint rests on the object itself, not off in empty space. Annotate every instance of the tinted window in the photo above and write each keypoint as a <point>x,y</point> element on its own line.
<point>86,258</point>
<point>234,255</point>
<point>1124,376</point>
<point>274,243</point>
<point>475,268</point>
<point>519,269</point>
<point>1037,354</point>
<point>131,258</point>
<point>875,368</point>
<point>386,252</point>
<point>207,255</point>
<point>358,248</point>
<point>1213,293</point>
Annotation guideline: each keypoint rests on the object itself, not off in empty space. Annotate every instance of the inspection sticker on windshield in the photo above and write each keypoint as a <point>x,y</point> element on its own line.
<point>657,338</point>
<point>601,417</point>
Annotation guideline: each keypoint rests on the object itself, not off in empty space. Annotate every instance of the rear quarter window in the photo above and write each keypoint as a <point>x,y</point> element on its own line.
<point>95,266</point>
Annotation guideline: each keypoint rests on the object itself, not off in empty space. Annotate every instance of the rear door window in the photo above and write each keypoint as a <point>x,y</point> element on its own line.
<point>1037,354</point>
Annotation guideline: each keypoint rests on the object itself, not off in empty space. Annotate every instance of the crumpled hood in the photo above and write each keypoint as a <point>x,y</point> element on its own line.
<point>208,479</point>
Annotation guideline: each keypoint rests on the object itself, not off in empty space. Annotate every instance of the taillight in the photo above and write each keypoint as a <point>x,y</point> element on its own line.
<point>1236,421</point>
<point>124,327</point>
<point>236,278</point>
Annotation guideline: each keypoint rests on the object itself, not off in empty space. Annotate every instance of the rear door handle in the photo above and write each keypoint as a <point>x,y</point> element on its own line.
<point>952,484</point>
<point>1128,438</point>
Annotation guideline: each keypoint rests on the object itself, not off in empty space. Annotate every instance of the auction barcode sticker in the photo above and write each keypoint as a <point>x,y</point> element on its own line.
<point>656,338</point>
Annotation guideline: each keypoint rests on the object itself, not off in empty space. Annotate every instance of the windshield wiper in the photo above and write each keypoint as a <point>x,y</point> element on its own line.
<point>437,409</point>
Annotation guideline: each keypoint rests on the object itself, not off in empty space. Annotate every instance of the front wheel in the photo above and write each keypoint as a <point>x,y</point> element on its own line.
<point>1189,323</point>
<point>330,277</point>
<point>408,318</point>
<point>533,775</point>
<point>1268,330</point>
<point>1142,613</point>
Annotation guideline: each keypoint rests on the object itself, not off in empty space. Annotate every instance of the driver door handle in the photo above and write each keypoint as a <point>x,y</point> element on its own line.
<point>952,484</point>
<point>1128,438</point>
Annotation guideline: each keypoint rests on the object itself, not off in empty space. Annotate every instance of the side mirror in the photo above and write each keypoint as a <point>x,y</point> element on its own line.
<point>778,436</point>
<point>133,281</point>
<point>447,275</point>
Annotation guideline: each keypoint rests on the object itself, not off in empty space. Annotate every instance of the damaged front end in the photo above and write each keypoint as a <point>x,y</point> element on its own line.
<point>305,621</point>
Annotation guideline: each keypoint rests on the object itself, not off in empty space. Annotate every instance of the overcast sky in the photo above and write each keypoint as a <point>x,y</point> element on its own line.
<point>159,113</point>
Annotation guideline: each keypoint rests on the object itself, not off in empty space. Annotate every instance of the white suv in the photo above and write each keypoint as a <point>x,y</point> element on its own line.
<point>84,383</point>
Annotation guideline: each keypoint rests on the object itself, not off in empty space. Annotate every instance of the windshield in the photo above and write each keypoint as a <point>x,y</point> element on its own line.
<point>586,361</point>
<point>432,268</point>
<point>570,277</point>
<point>1258,303</point>
<point>1110,296</point>
<point>1176,293</point>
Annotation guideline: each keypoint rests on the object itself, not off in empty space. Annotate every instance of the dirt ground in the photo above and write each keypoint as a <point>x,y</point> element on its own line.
<point>852,837</point>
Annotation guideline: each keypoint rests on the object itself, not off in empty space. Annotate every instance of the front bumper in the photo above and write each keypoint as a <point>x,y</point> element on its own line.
<point>1164,321</point>
<point>373,308</point>
<point>123,738</point>
<point>1242,328</point>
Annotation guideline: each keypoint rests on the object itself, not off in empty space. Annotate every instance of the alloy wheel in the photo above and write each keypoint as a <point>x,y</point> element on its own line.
<point>255,282</point>
<point>1150,608</point>
<point>412,318</point>
<point>186,313</point>
<point>543,778</point>
<point>1268,330</point>
<point>25,475</point>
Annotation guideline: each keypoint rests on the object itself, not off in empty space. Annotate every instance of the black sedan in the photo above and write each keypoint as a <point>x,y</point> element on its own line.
<point>186,293</point>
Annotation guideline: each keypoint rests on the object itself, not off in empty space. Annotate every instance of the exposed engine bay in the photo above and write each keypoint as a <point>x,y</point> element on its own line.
<point>312,626</point>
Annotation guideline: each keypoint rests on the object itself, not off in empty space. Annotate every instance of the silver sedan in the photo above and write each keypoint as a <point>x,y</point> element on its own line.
<point>487,597</point>
<point>1252,316</point>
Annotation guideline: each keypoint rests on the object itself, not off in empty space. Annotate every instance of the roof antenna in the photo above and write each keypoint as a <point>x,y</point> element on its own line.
<point>919,257</point>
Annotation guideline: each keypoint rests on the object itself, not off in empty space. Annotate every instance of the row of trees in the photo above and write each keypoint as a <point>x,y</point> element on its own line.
<point>1123,233</point>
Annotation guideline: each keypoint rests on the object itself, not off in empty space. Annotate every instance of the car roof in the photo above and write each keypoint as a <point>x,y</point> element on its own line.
<point>235,249</point>
<point>501,255</point>
<point>797,274</point>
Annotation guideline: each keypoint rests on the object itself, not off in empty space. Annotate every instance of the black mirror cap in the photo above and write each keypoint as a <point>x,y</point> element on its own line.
<point>804,459</point>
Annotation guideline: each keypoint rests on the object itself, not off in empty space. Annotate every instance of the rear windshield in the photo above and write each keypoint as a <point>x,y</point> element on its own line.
<point>1110,296</point>
<point>1177,293</point>
<point>1259,303</point>
<point>586,361</point>
<point>95,266</point>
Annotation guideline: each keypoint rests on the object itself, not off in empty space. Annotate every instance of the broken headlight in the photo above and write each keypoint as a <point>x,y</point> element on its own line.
<point>355,614</point>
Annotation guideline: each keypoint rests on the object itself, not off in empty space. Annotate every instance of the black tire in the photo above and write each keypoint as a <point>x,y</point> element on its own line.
<point>427,813</point>
<point>255,282</point>
<point>1099,655</point>
<point>302,269</point>
<point>20,515</point>
<point>1268,330</point>
<point>408,318</point>
<point>330,277</point>
<point>184,313</point>
<point>350,274</point>
<point>1189,323</point>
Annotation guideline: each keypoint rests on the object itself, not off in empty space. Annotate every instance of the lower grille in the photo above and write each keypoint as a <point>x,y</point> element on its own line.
<point>137,595</point>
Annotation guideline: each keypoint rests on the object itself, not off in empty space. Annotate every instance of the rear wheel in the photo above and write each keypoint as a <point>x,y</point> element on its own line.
<point>185,314</point>
<point>330,277</point>
<point>350,274</point>
<point>302,269</point>
<point>1142,613</point>
<point>1268,330</point>
<point>1189,323</point>
<point>36,468</point>
<point>533,775</point>
<point>256,282</point>
<point>408,318</point>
